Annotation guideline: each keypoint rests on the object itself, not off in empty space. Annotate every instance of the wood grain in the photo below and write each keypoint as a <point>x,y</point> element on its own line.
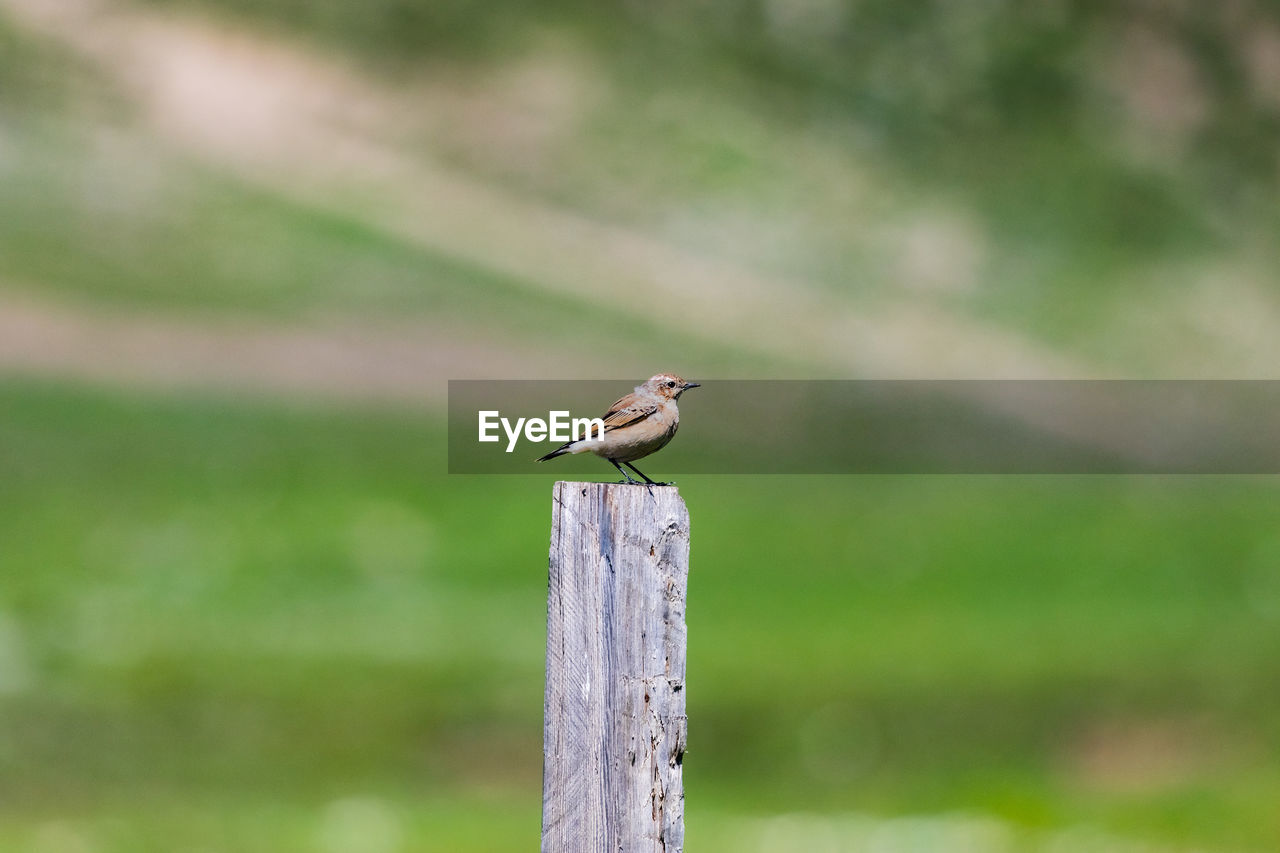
<point>614,714</point>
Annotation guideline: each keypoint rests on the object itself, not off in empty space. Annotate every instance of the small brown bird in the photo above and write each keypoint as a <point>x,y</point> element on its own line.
<point>639,424</point>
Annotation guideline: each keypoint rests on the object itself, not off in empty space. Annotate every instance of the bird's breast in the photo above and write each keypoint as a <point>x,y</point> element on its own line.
<point>639,440</point>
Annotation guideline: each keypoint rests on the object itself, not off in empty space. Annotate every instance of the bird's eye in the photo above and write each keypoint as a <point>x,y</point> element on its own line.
<point>670,384</point>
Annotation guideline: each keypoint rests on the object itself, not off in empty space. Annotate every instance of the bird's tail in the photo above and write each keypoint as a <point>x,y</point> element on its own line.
<point>559,451</point>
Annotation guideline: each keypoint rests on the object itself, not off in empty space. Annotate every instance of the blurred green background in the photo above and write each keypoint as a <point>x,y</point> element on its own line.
<point>243,246</point>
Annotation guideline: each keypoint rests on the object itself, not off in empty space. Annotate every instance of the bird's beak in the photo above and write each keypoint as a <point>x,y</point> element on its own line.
<point>689,385</point>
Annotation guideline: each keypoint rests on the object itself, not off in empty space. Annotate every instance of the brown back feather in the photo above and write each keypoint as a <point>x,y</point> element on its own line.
<point>627,411</point>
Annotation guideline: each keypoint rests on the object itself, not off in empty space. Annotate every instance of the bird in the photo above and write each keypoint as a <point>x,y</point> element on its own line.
<point>635,426</point>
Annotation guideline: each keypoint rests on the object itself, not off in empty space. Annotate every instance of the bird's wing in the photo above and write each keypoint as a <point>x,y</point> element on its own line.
<point>626,412</point>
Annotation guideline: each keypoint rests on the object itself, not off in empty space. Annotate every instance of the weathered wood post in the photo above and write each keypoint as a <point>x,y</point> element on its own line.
<point>614,720</point>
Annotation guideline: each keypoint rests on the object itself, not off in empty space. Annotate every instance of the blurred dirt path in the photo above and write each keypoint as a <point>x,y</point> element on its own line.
<point>404,364</point>
<point>317,131</point>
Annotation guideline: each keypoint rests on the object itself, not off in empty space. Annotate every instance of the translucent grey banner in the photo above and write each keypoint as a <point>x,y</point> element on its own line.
<point>886,427</point>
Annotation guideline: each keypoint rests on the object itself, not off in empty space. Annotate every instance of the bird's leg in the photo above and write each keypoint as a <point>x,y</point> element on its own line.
<point>625,474</point>
<point>641,473</point>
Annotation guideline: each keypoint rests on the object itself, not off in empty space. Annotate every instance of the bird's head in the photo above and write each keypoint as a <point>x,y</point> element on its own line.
<point>667,385</point>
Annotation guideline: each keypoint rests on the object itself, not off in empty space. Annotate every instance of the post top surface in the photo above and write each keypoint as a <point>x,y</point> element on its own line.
<point>640,487</point>
<point>630,498</point>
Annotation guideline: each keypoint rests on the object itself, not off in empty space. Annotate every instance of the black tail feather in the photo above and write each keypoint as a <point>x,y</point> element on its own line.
<point>559,451</point>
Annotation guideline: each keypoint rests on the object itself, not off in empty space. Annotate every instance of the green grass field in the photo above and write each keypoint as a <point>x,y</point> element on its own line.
<point>235,625</point>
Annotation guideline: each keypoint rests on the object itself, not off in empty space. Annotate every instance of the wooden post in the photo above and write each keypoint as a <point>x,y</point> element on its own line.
<point>614,720</point>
